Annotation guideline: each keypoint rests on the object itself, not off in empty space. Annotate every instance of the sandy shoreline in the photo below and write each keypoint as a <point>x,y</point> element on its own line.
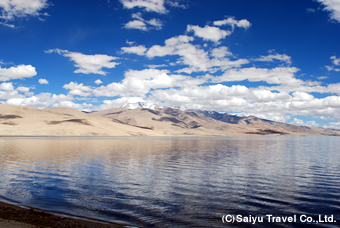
<point>13,216</point>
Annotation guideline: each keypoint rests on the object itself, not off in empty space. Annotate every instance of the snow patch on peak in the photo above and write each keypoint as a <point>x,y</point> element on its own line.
<point>182,108</point>
<point>140,105</point>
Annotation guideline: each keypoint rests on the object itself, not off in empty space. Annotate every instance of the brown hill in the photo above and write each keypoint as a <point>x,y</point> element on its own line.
<point>23,120</point>
<point>58,121</point>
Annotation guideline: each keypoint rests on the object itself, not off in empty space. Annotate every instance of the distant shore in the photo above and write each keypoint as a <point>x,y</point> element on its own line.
<point>13,216</point>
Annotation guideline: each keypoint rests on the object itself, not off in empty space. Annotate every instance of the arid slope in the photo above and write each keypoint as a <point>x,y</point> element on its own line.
<point>29,121</point>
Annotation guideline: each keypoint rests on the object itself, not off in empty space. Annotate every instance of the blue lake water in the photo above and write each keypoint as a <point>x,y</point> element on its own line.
<point>176,182</point>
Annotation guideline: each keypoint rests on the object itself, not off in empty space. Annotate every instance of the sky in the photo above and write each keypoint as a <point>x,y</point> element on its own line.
<point>274,59</point>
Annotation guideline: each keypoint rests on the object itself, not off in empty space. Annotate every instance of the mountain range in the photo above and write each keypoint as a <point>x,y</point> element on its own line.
<point>142,120</point>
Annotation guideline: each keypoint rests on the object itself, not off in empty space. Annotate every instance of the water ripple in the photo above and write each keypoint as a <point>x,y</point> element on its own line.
<point>174,182</point>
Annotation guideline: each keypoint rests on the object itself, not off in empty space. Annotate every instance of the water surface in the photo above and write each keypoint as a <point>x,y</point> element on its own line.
<point>174,182</point>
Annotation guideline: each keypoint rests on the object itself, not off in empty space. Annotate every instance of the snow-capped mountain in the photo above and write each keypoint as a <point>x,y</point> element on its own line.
<point>141,105</point>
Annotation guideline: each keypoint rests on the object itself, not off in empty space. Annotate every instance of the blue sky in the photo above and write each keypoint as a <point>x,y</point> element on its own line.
<point>275,59</point>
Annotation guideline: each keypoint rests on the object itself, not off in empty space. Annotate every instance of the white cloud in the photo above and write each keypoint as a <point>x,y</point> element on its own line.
<point>88,64</point>
<point>310,10</point>
<point>215,97</point>
<point>140,83</point>
<point>194,56</point>
<point>136,83</point>
<point>270,58</point>
<point>144,25</point>
<point>220,52</point>
<point>175,4</point>
<point>8,86</point>
<point>302,96</point>
<point>78,89</point>
<point>332,68</point>
<point>39,101</point>
<point>23,89</point>
<point>334,125</point>
<point>300,122</point>
<point>17,72</point>
<point>149,5</point>
<point>98,81</point>
<point>21,8</point>
<point>208,33</point>
<point>43,100</point>
<point>171,46</point>
<point>71,104</point>
<point>43,81</point>
<point>263,95</point>
<point>333,6</point>
<point>7,91</point>
<point>139,50</point>
<point>333,88</point>
<point>7,25</point>
<point>278,75</point>
<point>155,23</point>
<point>136,24</point>
<point>335,61</point>
<point>119,102</point>
<point>232,22</point>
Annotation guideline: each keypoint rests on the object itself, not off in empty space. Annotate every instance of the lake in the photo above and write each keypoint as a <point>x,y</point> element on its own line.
<point>177,182</point>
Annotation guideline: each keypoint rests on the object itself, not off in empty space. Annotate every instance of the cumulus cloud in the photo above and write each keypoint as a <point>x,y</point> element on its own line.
<point>78,89</point>
<point>23,89</point>
<point>43,81</point>
<point>213,97</point>
<point>265,95</point>
<point>214,33</point>
<point>17,72</point>
<point>140,83</point>
<point>336,63</point>
<point>21,8</point>
<point>220,52</point>
<point>88,64</point>
<point>42,100</point>
<point>302,96</point>
<point>98,81</point>
<point>142,24</point>
<point>270,58</point>
<point>136,24</point>
<point>277,75</point>
<point>194,56</point>
<point>333,125</point>
<point>333,6</point>
<point>8,86</point>
<point>138,50</point>
<point>335,60</point>
<point>175,4</point>
<point>155,23</point>
<point>233,22</point>
<point>208,32</point>
<point>300,122</point>
<point>136,83</point>
<point>7,91</point>
<point>149,5</point>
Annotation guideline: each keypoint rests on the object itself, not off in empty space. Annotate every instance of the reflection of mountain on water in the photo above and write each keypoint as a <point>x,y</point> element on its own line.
<point>172,181</point>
